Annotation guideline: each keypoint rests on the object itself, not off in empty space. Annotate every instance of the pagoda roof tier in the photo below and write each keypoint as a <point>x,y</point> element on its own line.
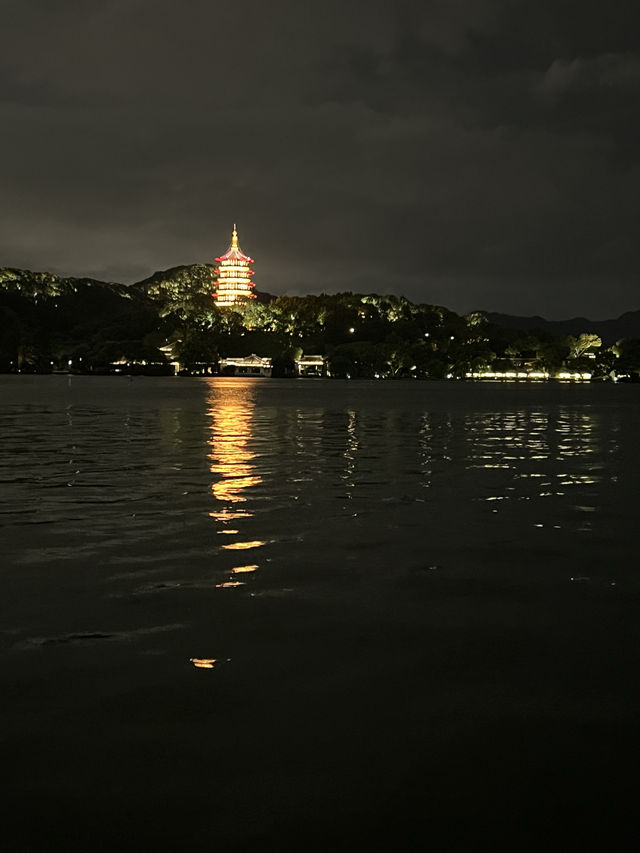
<point>234,252</point>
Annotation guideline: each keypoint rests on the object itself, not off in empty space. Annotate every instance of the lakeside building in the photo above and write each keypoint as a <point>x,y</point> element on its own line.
<point>251,365</point>
<point>312,365</point>
<point>233,276</point>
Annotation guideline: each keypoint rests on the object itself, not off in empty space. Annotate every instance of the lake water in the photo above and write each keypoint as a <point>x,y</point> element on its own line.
<point>318,615</point>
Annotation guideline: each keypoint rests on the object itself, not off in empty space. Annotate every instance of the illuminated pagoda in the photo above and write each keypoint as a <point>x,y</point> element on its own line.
<point>233,284</point>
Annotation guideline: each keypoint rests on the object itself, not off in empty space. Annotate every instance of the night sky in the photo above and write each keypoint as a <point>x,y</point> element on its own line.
<point>480,154</point>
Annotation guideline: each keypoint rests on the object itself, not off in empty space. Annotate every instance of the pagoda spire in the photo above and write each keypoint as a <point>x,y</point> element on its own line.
<point>234,237</point>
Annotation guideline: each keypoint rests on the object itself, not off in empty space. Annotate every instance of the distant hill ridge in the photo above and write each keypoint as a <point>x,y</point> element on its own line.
<point>625,326</point>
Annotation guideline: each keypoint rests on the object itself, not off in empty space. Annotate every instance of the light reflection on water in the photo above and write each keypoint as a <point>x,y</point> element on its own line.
<point>175,487</point>
<point>230,455</point>
<point>233,464</point>
<point>203,663</point>
<point>531,444</point>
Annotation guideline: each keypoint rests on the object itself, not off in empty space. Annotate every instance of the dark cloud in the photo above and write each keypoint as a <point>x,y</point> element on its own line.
<point>476,153</point>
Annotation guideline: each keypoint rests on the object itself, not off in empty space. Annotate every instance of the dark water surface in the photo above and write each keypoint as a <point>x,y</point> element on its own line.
<point>308,615</point>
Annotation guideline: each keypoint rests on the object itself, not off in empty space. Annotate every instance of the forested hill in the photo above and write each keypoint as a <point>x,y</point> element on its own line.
<point>49,322</point>
<point>46,285</point>
<point>610,331</point>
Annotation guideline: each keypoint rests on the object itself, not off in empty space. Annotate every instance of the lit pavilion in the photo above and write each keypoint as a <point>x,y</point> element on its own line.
<point>233,282</point>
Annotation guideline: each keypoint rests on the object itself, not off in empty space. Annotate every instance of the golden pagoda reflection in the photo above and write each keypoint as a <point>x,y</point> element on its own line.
<point>231,460</point>
<point>229,515</point>
<point>243,546</point>
<point>203,663</point>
